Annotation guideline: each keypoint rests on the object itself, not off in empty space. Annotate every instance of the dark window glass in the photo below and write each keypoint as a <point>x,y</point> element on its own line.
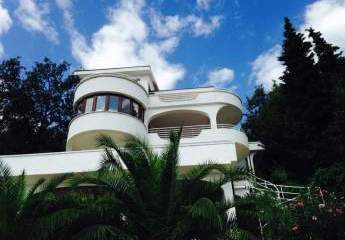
<point>100,106</point>
<point>81,107</point>
<point>135,109</point>
<point>125,105</point>
<point>141,113</point>
<point>88,105</point>
<point>113,103</point>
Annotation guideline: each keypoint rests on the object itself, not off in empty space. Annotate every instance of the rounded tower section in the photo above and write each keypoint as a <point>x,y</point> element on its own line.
<point>113,104</point>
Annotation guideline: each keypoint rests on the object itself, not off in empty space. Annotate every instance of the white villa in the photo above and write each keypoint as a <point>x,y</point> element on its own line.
<point>123,102</point>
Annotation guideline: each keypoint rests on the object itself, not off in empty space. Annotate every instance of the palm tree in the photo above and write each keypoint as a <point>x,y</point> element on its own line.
<point>20,207</point>
<point>148,198</point>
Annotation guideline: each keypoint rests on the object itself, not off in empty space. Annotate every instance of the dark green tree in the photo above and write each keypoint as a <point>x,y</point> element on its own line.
<point>35,106</point>
<point>301,121</point>
<point>331,68</point>
<point>300,90</point>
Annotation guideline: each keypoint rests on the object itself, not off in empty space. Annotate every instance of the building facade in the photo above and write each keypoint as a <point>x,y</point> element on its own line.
<point>125,102</point>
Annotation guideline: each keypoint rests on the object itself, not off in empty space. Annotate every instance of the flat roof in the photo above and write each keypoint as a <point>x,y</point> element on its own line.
<point>134,70</point>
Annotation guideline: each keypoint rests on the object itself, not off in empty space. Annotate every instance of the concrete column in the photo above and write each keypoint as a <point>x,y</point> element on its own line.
<point>228,192</point>
<point>213,117</point>
<point>229,197</point>
<point>251,162</point>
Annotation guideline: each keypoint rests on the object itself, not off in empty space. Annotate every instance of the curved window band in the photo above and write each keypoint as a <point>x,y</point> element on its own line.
<point>110,103</point>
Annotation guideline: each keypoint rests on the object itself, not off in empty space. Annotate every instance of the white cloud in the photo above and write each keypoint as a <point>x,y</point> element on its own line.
<point>267,68</point>
<point>202,28</point>
<point>78,41</point>
<point>5,24</point>
<point>5,19</point>
<point>127,40</point>
<point>124,41</point>
<point>328,17</point>
<point>33,17</point>
<point>203,4</point>
<point>220,77</point>
<point>167,26</point>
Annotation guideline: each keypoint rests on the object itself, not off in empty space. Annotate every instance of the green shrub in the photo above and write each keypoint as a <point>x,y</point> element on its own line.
<point>279,176</point>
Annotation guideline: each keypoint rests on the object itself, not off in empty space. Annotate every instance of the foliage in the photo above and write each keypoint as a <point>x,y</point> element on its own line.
<point>320,215</point>
<point>316,214</point>
<point>143,196</point>
<point>20,207</point>
<point>279,176</point>
<point>332,178</point>
<point>302,120</point>
<point>263,214</point>
<point>35,106</point>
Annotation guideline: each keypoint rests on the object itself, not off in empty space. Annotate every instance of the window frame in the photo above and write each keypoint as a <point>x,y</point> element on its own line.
<point>106,107</point>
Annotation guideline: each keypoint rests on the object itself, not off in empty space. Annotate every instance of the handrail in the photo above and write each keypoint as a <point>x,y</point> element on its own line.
<point>178,127</point>
<point>224,125</point>
<point>284,192</point>
<point>231,126</point>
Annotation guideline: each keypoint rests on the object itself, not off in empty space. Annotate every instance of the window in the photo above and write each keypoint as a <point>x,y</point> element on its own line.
<point>113,103</point>
<point>135,109</point>
<point>100,106</point>
<point>141,113</point>
<point>81,107</point>
<point>88,105</point>
<point>125,105</point>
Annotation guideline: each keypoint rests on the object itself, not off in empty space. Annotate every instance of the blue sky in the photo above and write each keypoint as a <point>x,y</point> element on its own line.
<point>228,43</point>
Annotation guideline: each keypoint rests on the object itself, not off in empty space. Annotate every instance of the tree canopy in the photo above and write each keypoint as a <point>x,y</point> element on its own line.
<point>35,106</point>
<point>301,121</point>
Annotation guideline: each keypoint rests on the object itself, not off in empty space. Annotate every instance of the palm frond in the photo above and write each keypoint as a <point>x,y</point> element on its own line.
<point>5,171</point>
<point>35,187</point>
<point>124,156</point>
<point>101,232</point>
<point>46,226</point>
<point>203,170</point>
<point>118,182</point>
<point>109,161</point>
<point>170,159</point>
<point>53,183</point>
<point>205,210</point>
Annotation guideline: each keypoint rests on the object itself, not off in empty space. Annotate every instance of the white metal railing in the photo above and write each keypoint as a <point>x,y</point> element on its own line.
<point>187,131</point>
<point>223,125</point>
<point>283,192</point>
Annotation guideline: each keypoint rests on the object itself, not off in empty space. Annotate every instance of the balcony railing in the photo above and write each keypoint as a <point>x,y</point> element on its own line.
<point>187,131</point>
<point>221,125</point>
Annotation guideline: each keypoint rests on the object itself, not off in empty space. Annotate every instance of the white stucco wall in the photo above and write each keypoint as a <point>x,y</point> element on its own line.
<point>89,160</point>
<point>54,163</point>
<point>207,100</point>
<point>115,122</point>
<point>103,83</point>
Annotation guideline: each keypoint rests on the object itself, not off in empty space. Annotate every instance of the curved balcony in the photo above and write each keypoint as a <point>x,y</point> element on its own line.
<point>85,128</point>
<point>111,83</point>
<point>201,143</point>
<point>228,104</point>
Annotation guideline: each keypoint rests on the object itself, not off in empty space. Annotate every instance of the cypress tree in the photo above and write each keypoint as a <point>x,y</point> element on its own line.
<point>331,69</point>
<point>299,92</point>
<point>302,121</point>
